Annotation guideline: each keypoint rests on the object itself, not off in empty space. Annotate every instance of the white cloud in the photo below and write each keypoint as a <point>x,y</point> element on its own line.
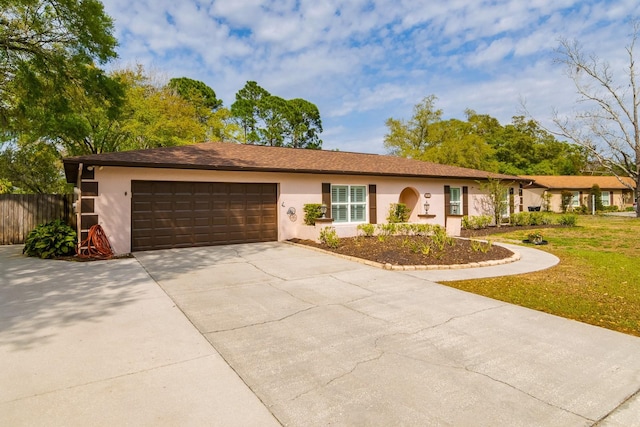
<point>362,61</point>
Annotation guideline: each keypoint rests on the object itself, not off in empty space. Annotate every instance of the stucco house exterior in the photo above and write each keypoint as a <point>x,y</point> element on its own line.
<point>221,193</point>
<point>539,189</point>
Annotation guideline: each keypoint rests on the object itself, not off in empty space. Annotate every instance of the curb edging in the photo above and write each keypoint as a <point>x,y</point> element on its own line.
<point>513,258</point>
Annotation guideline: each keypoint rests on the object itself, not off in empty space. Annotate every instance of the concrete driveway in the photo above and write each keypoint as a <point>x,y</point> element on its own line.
<point>268,334</point>
<point>100,344</point>
<point>325,341</point>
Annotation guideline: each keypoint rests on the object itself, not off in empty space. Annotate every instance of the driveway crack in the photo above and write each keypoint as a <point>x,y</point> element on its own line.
<point>342,375</point>
<point>266,322</point>
<point>631,396</point>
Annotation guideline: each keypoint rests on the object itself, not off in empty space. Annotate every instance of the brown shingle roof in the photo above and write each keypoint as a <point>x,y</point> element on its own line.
<point>579,182</point>
<point>240,157</point>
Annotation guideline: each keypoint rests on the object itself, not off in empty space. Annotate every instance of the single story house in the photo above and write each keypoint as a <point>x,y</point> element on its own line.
<point>546,191</point>
<point>221,193</point>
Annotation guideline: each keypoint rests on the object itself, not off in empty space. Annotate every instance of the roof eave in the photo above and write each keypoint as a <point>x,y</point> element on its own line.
<point>71,169</point>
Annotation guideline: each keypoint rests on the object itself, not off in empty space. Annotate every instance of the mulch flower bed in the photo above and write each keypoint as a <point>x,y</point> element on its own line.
<point>406,250</point>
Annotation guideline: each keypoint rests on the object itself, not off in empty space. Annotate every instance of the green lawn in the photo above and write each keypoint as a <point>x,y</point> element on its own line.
<point>596,282</point>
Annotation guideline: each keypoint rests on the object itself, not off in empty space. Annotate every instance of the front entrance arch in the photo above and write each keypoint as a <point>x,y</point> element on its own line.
<point>410,196</point>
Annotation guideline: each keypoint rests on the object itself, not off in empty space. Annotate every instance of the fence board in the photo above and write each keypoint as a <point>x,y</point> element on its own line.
<point>21,213</point>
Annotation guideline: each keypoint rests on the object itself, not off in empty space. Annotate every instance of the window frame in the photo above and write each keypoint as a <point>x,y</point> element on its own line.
<point>351,205</point>
<point>575,199</point>
<point>453,203</point>
<point>608,199</point>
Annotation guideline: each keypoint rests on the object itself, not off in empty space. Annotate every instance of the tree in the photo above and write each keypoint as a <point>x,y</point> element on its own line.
<point>495,201</point>
<point>523,147</point>
<point>195,91</point>
<point>246,109</point>
<point>609,126</point>
<point>410,138</point>
<point>267,119</point>
<point>481,142</point>
<point>32,167</point>
<point>304,124</point>
<point>49,44</point>
<point>5,186</point>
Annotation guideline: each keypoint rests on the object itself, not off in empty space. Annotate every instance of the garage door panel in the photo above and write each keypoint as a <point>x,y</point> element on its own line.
<point>168,214</point>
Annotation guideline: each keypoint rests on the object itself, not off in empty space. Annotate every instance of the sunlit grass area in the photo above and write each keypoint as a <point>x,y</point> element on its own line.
<point>597,280</point>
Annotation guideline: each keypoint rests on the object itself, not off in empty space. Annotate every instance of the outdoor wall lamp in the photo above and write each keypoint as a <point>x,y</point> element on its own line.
<point>426,208</point>
<point>323,210</point>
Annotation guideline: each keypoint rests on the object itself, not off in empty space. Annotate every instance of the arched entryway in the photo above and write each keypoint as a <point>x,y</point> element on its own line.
<point>410,197</point>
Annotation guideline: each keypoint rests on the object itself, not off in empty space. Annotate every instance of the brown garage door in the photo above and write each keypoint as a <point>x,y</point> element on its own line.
<point>173,214</point>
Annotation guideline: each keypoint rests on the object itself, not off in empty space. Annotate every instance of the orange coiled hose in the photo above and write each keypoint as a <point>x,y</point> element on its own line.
<point>96,245</point>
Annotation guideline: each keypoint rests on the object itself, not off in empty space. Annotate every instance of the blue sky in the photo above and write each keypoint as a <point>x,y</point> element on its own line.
<point>362,62</point>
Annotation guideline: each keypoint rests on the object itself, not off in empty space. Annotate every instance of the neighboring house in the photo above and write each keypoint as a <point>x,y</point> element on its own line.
<point>539,189</point>
<point>221,193</point>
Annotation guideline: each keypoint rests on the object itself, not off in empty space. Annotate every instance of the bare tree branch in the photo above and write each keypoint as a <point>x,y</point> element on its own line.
<point>608,127</point>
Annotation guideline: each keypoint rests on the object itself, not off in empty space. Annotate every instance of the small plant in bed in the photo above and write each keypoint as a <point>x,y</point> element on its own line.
<point>411,248</point>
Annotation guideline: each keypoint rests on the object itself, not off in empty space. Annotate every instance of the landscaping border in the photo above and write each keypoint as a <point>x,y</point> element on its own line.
<point>513,258</point>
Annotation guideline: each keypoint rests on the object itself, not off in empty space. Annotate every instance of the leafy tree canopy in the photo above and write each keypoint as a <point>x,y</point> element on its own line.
<point>146,113</point>
<point>31,167</point>
<point>481,142</point>
<point>47,44</point>
<point>267,119</point>
<point>196,92</point>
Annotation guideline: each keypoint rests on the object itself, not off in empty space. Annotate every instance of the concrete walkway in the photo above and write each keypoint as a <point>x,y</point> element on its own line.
<point>295,337</point>
<point>531,260</point>
<point>100,344</point>
<point>326,341</point>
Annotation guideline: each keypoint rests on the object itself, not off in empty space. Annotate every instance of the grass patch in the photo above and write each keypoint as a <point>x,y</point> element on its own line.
<point>596,282</point>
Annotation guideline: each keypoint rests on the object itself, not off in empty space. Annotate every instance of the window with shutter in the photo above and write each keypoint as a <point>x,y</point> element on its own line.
<point>348,203</point>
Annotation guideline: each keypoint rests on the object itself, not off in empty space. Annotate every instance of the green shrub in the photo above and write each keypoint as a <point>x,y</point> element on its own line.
<point>51,240</point>
<point>420,229</point>
<point>566,197</point>
<point>521,219</point>
<point>481,246</point>
<point>466,222</point>
<point>540,218</point>
<point>404,229</point>
<point>329,237</point>
<point>367,230</point>
<point>476,222</point>
<point>417,246</point>
<point>568,220</point>
<point>581,210</point>
<point>440,237</point>
<point>597,193</point>
<point>311,213</point>
<point>398,212</point>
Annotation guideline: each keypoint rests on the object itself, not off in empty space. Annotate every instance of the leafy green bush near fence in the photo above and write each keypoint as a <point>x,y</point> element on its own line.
<point>50,240</point>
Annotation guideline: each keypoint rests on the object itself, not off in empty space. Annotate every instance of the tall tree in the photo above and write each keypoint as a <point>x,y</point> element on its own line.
<point>271,120</point>
<point>610,129</point>
<point>304,124</point>
<point>427,137</point>
<point>481,142</point>
<point>246,110</point>
<point>197,93</point>
<point>410,138</point>
<point>49,44</point>
<point>32,167</point>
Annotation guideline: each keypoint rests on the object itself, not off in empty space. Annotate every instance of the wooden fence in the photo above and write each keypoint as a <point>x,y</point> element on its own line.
<point>21,213</point>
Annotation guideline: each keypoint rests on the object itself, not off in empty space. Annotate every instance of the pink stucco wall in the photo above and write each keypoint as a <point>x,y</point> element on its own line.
<point>113,204</point>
